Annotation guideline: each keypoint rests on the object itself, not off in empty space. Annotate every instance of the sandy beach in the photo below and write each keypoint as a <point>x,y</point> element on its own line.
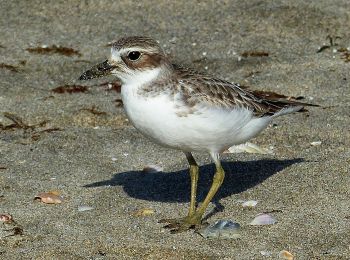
<point>73,137</point>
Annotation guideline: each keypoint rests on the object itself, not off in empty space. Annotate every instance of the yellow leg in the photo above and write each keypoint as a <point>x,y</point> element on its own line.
<point>194,169</point>
<point>194,218</point>
<point>217,182</point>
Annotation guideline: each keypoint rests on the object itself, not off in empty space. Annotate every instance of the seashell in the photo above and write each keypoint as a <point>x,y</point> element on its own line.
<point>143,212</point>
<point>152,168</point>
<point>284,254</point>
<point>6,218</point>
<point>51,197</point>
<point>265,253</point>
<point>248,148</point>
<point>221,229</point>
<point>249,203</point>
<point>316,143</point>
<point>263,219</point>
<point>84,208</point>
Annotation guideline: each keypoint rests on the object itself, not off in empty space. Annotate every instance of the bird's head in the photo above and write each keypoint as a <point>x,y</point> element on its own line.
<point>131,58</point>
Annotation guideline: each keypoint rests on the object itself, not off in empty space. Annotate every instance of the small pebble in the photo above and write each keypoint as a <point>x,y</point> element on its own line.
<point>84,208</point>
<point>266,253</point>
<point>317,143</point>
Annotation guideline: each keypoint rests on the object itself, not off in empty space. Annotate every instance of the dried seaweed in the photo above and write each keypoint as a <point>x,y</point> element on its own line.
<point>3,168</point>
<point>70,89</point>
<point>17,231</point>
<point>332,42</point>
<point>8,67</point>
<point>118,102</point>
<point>36,136</point>
<point>17,122</point>
<point>54,49</point>
<point>255,54</point>
<point>346,56</point>
<point>93,110</point>
<point>49,130</point>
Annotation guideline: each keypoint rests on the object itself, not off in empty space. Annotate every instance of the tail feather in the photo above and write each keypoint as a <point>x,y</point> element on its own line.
<point>278,105</point>
<point>289,110</point>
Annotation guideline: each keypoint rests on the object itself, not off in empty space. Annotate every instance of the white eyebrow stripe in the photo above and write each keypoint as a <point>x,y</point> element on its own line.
<point>127,50</point>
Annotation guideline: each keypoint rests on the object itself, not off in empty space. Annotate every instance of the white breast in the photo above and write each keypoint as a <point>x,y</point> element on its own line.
<point>209,129</point>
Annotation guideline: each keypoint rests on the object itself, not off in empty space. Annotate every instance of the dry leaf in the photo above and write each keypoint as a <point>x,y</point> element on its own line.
<point>286,255</point>
<point>143,212</point>
<point>6,218</point>
<point>51,197</point>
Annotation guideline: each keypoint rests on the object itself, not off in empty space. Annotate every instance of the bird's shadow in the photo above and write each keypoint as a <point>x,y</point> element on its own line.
<point>175,186</point>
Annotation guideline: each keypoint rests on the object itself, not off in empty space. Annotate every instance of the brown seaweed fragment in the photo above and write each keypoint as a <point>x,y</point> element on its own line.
<point>17,231</point>
<point>17,122</point>
<point>8,67</point>
<point>346,56</point>
<point>70,89</point>
<point>118,102</point>
<point>54,49</point>
<point>255,54</point>
<point>332,42</point>
<point>93,110</point>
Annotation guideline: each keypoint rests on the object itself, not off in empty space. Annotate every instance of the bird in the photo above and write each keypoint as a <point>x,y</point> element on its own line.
<point>186,110</point>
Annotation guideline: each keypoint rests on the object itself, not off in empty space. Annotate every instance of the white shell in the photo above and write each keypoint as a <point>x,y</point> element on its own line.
<point>84,208</point>
<point>248,148</point>
<point>249,203</point>
<point>316,143</point>
<point>152,168</point>
<point>263,219</point>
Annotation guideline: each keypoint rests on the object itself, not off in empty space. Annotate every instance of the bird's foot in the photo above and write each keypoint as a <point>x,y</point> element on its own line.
<point>177,225</point>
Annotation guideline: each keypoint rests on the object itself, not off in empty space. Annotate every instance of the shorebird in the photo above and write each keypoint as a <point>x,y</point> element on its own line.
<point>180,108</point>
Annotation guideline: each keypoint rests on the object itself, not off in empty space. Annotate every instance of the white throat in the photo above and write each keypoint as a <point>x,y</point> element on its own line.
<point>139,78</point>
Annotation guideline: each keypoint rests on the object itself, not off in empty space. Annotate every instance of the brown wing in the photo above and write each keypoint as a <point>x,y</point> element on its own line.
<point>198,87</point>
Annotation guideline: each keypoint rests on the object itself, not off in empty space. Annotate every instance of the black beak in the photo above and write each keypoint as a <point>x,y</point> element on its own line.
<point>97,71</point>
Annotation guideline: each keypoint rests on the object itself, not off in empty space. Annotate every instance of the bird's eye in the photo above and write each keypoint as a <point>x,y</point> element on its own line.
<point>134,55</point>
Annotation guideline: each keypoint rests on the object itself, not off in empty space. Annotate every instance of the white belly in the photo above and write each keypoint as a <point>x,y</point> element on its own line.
<point>208,129</point>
